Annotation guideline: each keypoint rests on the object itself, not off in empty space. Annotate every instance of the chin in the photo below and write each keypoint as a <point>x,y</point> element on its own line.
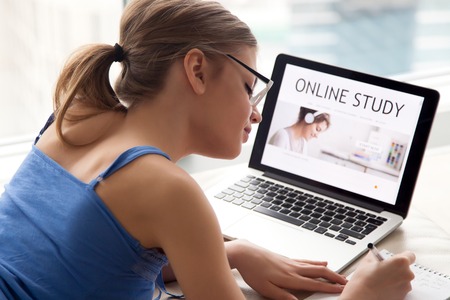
<point>227,152</point>
<point>230,154</point>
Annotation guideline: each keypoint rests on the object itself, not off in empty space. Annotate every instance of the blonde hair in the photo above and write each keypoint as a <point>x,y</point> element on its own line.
<point>153,34</point>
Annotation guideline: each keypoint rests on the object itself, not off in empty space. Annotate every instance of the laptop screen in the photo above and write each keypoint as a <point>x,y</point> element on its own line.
<point>348,133</point>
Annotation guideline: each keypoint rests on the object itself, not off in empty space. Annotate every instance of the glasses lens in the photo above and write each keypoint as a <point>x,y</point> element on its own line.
<point>260,90</point>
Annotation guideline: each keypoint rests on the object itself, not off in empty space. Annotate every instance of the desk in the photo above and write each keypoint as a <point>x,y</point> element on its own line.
<point>426,230</point>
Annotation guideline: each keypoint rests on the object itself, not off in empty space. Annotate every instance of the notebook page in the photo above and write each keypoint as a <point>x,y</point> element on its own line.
<point>427,284</point>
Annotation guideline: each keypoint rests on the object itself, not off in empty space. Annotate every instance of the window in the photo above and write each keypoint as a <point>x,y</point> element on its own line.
<point>37,37</point>
<point>384,37</point>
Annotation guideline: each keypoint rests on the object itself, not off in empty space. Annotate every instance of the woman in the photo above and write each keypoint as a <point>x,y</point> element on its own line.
<point>99,207</point>
<point>310,124</point>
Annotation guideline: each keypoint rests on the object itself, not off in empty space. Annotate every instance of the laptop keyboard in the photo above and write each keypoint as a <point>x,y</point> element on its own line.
<point>317,214</point>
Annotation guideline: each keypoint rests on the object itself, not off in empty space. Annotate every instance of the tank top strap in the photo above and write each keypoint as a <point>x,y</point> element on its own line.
<point>49,122</point>
<point>162,288</point>
<point>125,158</point>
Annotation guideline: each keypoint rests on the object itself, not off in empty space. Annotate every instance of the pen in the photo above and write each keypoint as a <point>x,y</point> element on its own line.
<point>375,251</point>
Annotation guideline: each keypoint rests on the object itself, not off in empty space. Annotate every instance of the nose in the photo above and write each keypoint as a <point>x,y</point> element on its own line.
<point>255,116</point>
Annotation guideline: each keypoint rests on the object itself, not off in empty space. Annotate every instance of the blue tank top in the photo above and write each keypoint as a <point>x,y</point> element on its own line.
<point>58,240</point>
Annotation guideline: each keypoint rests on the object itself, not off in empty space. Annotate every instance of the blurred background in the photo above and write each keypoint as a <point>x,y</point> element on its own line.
<point>394,38</point>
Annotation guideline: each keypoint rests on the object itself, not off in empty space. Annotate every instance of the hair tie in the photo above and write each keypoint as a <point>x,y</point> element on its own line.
<point>118,53</point>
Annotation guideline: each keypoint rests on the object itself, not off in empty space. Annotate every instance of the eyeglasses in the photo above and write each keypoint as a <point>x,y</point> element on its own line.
<point>255,99</point>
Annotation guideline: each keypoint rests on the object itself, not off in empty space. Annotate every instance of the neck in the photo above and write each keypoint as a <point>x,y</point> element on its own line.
<point>160,124</point>
<point>298,129</point>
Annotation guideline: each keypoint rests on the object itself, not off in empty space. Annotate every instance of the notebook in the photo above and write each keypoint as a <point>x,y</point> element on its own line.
<point>328,194</point>
<point>427,284</point>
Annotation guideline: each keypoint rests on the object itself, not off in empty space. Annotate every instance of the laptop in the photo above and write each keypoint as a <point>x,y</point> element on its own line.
<point>354,182</point>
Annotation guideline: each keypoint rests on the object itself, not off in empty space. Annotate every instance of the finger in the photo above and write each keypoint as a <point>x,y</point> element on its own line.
<point>313,271</point>
<point>369,258</point>
<point>409,255</point>
<point>313,285</point>
<point>311,262</point>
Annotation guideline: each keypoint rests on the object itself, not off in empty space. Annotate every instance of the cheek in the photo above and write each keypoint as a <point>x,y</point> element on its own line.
<point>233,120</point>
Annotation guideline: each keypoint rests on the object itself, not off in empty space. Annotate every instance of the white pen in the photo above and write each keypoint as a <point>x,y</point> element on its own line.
<point>375,251</point>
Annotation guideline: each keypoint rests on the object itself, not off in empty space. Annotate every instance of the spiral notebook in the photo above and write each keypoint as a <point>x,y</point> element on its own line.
<point>427,284</point>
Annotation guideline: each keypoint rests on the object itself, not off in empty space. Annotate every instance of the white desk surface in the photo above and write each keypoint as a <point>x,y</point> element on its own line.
<point>426,230</point>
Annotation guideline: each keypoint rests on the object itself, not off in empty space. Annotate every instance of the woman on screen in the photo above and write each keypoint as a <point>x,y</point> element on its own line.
<point>310,124</point>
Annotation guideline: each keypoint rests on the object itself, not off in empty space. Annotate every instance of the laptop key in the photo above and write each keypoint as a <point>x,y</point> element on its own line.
<point>265,204</point>
<point>271,194</point>
<point>351,214</point>
<point>220,195</point>
<point>248,205</point>
<point>374,221</point>
<point>259,202</point>
<point>238,202</point>
<point>275,207</point>
<point>309,226</point>
<point>352,233</point>
<point>325,224</point>
<point>228,198</point>
<point>294,214</point>
<point>243,184</point>
<point>282,192</point>
<point>278,215</point>
<point>342,237</point>
<point>247,198</point>
<point>255,182</point>
<point>347,225</point>
<point>320,230</point>
<point>314,221</point>
<point>267,199</point>
<point>304,217</point>
<point>327,219</point>
<point>336,221</point>
<point>335,227</point>
<point>290,200</point>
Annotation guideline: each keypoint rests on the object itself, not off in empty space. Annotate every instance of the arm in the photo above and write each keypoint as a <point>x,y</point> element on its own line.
<point>272,275</point>
<point>191,238</point>
<point>388,279</point>
<point>280,139</point>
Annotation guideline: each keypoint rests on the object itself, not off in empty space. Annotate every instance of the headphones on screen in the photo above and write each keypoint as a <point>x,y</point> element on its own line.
<point>310,117</point>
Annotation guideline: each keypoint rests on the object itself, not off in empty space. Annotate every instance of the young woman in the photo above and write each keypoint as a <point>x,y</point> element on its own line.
<point>99,208</point>
<point>309,125</point>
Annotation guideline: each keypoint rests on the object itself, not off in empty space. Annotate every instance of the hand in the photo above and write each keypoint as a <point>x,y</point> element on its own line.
<point>388,279</point>
<point>272,275</point>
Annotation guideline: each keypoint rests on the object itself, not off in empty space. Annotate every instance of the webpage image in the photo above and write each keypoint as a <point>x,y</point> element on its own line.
<point>363,146</point>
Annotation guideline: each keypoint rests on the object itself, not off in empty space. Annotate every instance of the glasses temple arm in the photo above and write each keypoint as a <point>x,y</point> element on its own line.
<point>260,76</point>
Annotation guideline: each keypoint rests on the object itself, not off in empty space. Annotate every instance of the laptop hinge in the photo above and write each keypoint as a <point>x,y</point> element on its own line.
<point>337,196</point>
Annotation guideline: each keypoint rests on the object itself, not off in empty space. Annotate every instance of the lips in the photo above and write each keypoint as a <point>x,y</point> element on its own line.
<point>247,131</point>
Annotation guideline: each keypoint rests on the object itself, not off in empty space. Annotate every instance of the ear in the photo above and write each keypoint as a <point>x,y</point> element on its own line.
<point>195,65</point>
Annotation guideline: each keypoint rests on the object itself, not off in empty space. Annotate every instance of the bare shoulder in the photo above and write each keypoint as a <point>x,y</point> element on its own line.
<point>163,183</point>
<point>150,193</point>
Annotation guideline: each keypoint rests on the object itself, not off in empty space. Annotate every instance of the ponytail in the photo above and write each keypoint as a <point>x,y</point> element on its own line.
<point>85,80</point>
<point>153,34</point>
